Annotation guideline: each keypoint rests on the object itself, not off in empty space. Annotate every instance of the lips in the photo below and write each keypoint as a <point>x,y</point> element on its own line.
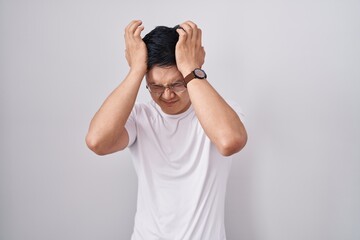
<point>169,103</point>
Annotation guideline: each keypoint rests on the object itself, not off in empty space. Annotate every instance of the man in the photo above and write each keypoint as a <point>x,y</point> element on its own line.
<point>180,141</point>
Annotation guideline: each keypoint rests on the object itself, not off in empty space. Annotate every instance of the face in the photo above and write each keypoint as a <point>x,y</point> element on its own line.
<point>170,102</point>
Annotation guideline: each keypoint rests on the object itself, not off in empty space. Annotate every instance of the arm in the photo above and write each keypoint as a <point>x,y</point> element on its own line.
<point>219,121</point>
<point>107,133</point>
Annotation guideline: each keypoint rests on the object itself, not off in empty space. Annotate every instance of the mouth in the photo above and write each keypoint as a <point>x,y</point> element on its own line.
<point>169,103</point>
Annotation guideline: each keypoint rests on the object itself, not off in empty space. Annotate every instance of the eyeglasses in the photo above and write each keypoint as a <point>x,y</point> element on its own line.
<point>177,87</point>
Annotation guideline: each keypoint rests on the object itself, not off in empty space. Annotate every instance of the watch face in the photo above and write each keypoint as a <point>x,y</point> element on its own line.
<point>200,73</point>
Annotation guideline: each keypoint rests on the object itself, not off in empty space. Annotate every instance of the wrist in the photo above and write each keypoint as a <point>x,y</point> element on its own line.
<point>196,73</point>
<point>138,73</point>
<point>138,70</point>
<point>188,69</point>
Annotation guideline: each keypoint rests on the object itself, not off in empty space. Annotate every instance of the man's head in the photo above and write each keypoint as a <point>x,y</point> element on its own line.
<point>163,71</point>
<point>160,44</point>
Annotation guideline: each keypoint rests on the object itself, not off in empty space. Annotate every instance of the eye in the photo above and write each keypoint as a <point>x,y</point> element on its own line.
<point>178,87</point>
<point>178,84</point>
<point>156,87</point>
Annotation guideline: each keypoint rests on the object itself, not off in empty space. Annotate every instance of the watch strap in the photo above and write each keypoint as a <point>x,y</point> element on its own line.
<point>189,77</point>
<point>194,74</point>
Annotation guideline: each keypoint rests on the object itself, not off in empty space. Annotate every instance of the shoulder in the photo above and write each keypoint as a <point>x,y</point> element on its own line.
<point>145,109</point>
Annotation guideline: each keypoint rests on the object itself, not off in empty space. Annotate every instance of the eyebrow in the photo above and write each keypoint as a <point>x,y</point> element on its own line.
<point>177,81</point>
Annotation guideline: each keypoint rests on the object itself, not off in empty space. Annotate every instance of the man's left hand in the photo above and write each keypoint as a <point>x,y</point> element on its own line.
<point>189,51</point>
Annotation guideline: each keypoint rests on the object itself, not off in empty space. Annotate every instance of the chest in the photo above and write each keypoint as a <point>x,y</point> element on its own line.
<point>172,144</point>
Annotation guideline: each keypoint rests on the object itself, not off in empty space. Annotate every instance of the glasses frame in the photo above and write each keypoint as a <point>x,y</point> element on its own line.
<point>169,86</point>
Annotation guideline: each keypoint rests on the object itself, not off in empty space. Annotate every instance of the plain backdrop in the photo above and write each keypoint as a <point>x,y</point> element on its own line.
<point>293,66</point>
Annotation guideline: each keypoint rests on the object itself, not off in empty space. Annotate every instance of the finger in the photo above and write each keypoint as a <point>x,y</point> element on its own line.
<point>127,28</point>
<point>192,25</point>
<point>138,31</point>
<point>199,38</point>
<point>127,31</point>
<point>133,26</point>
<point>182,34</point>
<point>187,28</point>
<point>194,29</point>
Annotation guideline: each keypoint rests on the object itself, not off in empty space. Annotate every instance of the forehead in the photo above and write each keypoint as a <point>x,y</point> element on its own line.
<point>163,75</point>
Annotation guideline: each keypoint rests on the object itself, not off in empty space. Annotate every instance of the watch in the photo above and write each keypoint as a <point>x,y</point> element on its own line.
<point>197,73</point>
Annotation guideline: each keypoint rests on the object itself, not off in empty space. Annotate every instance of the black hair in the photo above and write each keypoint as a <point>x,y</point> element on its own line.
<point>160,43</point>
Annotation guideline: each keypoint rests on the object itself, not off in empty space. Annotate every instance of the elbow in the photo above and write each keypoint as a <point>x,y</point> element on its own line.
<point>94,145</point>
<point>231,145</point>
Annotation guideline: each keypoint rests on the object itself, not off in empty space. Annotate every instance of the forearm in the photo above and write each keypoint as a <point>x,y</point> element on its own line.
<point>106,131</point>
<point>219,121</point>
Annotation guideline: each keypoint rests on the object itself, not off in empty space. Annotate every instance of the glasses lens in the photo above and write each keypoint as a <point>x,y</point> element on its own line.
<point>156,88</point>
<point>159,89</point>
<point>178,87</point>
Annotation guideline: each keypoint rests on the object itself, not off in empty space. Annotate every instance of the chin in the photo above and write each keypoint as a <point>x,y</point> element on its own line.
<point>173,109</point>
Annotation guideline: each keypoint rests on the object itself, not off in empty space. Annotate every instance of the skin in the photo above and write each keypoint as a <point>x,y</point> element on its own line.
<point>169,102</point>
<point>222,125</point>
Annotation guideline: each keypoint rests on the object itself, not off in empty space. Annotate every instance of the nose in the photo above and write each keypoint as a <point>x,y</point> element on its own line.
<point>168,93</point>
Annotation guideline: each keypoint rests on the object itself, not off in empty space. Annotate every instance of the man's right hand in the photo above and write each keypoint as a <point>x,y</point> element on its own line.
<point>107,133</point>
<point>136,51</point>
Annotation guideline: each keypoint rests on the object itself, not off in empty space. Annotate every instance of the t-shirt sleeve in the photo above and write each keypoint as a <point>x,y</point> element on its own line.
<point>130,126</point>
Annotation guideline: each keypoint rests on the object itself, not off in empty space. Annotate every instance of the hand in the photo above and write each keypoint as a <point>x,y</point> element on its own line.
<point>135,52</point>
<point>189,51</point>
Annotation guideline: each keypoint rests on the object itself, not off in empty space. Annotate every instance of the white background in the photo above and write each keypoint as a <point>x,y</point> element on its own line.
<point>294,66</point>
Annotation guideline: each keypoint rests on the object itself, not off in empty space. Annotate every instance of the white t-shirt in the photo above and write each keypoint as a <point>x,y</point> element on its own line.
<point>182,177</point>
